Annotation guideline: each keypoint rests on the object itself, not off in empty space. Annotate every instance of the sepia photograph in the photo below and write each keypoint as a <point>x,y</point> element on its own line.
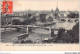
<point>40,22</point>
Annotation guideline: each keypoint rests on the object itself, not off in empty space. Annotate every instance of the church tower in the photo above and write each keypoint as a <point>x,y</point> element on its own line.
<point>56,12</point>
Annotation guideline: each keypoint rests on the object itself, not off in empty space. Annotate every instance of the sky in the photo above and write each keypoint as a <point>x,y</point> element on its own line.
<point>22,5</point>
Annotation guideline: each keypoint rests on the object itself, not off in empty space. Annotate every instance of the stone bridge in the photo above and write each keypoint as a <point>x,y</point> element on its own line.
<point>67,19</point>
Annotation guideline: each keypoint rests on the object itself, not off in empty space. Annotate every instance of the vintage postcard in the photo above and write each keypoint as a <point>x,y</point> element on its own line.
<point>39,25</point>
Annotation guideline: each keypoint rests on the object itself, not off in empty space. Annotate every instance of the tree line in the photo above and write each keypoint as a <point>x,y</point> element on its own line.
<point>71,36</point>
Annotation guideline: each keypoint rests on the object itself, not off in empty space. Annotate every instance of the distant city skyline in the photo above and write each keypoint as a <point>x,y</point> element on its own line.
<point>71,5</point>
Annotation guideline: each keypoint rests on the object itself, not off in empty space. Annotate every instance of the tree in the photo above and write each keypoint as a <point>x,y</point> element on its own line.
<point>67,37</point>
<point>61,31</point>
<point>50,19</point>
<point>71,36</point>
<point>43,17</point>
<point>52,32</point>
<point>15,22</point>
<point>33,20</point>
<point>27,21</point>
<point>73,15</point>
<point>76,33</point>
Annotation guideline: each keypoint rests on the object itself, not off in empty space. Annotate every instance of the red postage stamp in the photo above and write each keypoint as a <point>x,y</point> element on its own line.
<point>7,7</point>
